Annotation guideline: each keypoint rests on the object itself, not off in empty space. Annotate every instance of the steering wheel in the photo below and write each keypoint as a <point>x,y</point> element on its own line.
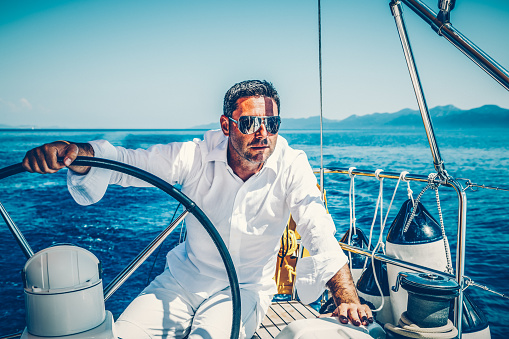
<point>190,206</point>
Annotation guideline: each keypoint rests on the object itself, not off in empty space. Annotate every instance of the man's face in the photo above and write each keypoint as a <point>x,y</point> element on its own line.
<point>255,148</point>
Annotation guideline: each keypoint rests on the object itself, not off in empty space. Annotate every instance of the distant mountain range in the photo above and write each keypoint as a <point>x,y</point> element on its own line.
<point>488,116</point>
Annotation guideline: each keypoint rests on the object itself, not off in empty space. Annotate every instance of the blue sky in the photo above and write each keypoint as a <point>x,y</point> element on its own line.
<point>167,64</point>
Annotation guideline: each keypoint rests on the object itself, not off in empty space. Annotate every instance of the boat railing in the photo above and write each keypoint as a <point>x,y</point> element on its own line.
<point>461,228</point>
<point>440,23</point>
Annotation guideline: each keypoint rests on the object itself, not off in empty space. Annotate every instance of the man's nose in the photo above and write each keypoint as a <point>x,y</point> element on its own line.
<point>262,131</point>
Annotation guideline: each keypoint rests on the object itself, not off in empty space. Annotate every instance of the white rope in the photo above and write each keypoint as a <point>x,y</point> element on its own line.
<point>381,244</point>
<point>379,202</point>
<point>402,176</point>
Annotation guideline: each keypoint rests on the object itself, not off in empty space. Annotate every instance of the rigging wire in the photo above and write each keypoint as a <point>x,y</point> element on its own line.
<point>321,95</point>
<point>159,249</point>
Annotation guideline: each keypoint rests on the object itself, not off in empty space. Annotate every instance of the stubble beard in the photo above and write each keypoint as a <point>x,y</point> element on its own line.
<point>256,158</point>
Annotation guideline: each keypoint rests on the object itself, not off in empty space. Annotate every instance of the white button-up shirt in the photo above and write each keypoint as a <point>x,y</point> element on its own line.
<point>250,216</point>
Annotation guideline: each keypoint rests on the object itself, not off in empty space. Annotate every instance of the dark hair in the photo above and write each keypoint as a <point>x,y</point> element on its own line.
<point>248,88</point>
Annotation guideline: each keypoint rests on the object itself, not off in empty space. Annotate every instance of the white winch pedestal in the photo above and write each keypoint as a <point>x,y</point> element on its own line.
<point>64,295</point>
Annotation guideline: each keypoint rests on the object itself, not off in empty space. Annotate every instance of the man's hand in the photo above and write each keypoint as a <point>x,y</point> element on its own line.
<point>43,159</point>
<point>345,295</point>
<point>357,313</point>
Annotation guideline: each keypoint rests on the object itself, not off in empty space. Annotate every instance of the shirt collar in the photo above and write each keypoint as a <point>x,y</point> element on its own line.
<point>219,152</point>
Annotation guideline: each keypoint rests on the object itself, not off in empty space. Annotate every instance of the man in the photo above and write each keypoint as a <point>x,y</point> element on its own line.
<point>247,180</point>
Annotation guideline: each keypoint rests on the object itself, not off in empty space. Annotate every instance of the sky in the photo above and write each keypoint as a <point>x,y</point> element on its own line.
<point>167,64</point>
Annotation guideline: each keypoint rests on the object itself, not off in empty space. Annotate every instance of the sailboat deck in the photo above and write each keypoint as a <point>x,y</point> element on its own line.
<point>280,314</point>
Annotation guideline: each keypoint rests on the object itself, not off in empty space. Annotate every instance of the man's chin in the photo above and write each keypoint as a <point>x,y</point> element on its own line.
<point>260,157</point>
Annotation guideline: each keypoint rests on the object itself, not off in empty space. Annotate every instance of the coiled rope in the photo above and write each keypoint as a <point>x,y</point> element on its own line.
<point>289,245</point>
<point>406,328</point>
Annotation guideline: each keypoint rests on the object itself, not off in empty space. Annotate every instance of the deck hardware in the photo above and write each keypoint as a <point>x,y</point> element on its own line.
<point>395,288</point>
<point>474,187</point>
<point>469,282</point>
<point>445,6</point>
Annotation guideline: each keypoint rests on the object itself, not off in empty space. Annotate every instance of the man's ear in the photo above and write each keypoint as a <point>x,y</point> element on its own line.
<point>225,125</point>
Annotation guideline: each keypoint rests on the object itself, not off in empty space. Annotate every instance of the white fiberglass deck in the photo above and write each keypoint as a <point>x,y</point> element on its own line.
<point>280,314</point>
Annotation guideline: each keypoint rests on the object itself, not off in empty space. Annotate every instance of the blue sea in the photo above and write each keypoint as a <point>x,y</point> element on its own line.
<point>127,219</point>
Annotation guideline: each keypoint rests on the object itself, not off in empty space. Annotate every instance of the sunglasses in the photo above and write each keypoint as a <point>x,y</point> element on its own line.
<point>250,124</point>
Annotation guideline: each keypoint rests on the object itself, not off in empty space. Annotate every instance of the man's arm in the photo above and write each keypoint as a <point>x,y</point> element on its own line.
<point>346,299</point>
<point>43,159</point>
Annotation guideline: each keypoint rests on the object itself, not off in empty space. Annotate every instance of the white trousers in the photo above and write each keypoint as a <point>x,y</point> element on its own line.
<point>166,310</point>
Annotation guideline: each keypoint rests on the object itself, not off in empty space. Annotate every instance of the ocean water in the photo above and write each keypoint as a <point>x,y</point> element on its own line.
<point>127,219</point>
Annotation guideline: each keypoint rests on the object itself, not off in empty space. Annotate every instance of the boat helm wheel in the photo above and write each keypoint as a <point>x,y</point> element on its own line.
<point>181,198</point>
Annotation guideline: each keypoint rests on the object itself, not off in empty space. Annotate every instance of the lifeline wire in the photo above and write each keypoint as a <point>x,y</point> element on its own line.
<point>471,185</point>
<point>470,282</point>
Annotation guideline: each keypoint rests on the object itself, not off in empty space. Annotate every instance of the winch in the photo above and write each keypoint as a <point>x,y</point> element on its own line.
<point>64,295</point>
<point>429,301</point>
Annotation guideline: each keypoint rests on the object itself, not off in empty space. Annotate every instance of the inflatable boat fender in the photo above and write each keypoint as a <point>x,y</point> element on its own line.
<point>421,243</point>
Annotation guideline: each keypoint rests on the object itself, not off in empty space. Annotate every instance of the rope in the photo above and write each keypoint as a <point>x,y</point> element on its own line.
<point>381,244</point>
<point>379,201</point>
<point>406,328</point>
<point>402,176</point>
<point>288,246</point>
<point>284,247</point>
<point>291,242</point>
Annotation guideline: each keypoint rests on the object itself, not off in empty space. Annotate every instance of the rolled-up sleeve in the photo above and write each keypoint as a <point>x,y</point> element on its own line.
<point>317,230</point>
<point>90,188</point>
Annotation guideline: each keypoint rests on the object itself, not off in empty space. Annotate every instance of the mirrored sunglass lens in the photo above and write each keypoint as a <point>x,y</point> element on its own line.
<point>249,125</point>
<point>272,124</point>
<point>255,124</point>
<point>246,125</point>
